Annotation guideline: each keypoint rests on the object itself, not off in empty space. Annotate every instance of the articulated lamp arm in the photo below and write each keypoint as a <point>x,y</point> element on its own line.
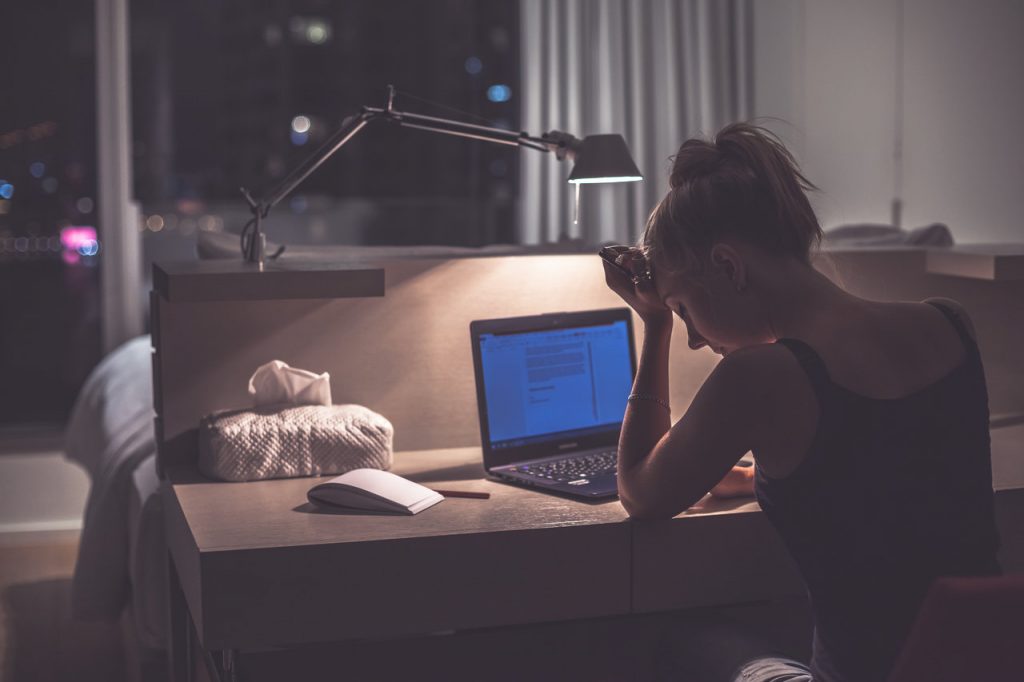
<point>564,146</point>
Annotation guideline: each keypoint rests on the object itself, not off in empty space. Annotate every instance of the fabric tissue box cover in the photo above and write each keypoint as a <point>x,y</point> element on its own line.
<point>284,441</point>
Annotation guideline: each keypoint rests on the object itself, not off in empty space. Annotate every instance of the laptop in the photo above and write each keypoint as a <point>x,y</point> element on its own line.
<point>551,390</point>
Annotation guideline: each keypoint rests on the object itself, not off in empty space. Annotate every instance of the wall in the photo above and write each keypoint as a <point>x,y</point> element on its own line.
<point>964,104</point>
<point>940,79</point>
<point>827,70</point>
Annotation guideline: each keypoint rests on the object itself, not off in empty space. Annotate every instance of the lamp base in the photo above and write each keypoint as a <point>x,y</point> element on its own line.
<point>257,249</point>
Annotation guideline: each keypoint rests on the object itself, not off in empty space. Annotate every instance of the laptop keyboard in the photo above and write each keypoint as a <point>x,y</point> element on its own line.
<point>573,468</point>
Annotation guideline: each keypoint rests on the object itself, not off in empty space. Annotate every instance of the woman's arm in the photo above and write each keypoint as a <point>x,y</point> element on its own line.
<point>646,420</point>
<point>730,413</point>
<point>663,469</point>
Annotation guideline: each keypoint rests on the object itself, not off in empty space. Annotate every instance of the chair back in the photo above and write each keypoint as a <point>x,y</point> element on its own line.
<point>967,629</point>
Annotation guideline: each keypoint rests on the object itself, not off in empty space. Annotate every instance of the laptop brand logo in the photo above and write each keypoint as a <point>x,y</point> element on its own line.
<point>565,446</point>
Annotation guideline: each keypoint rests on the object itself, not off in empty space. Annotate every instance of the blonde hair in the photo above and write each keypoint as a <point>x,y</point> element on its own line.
<point>742,183</point>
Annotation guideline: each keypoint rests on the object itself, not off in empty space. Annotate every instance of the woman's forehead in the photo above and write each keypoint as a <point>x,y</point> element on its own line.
<point>670,284</point>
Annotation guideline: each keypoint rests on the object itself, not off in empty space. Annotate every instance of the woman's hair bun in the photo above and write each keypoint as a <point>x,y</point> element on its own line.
<point>744,183</point>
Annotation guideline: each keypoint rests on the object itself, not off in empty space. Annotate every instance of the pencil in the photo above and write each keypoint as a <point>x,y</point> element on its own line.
<point>463,493</point>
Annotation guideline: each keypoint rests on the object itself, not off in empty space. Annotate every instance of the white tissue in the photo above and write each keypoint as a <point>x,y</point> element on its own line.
<point>276,382</point>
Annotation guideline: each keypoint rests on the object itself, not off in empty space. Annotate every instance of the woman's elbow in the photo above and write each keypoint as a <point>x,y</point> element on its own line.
<point>651,504</point>
<point>645,511</point>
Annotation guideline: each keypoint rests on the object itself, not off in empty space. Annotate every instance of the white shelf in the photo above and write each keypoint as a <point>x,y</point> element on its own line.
<point>994,262</point>
<point>235,280</point>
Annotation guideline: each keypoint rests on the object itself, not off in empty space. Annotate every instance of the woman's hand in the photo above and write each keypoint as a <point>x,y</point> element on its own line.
<point>739,482</point>
<point>637,291</point>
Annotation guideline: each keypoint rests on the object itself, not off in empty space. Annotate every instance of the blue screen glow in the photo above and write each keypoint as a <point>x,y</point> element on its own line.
<point>549,382</point>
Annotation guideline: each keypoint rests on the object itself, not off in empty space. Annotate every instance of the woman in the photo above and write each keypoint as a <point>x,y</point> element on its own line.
<point>868,420</point>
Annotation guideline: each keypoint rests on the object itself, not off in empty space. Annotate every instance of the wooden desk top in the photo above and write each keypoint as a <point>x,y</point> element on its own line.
<point>275,513</point>
<point>260,566</point>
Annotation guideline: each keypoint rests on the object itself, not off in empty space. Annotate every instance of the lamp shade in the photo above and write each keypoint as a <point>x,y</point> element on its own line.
<point>604,158</point>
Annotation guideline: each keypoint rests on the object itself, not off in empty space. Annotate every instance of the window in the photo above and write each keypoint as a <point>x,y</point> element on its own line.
<point>49,279</point>
<point>230,93</point>
<point>237,93</point>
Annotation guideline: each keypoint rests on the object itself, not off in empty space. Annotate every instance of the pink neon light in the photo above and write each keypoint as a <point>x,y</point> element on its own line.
<point>76,236</point>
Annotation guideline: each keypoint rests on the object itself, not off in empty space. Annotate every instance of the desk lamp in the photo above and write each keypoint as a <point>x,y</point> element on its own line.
<point>598,159</point>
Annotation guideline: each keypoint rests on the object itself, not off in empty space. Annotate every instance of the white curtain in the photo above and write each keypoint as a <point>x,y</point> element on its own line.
<point>655,71</point>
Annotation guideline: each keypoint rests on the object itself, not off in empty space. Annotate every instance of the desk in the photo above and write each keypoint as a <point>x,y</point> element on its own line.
<point>254,566</point>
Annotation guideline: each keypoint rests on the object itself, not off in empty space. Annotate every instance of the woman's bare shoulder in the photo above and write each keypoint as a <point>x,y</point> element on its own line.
<point>956,308</point>
<point>896,323</point>
<point>890,349</point>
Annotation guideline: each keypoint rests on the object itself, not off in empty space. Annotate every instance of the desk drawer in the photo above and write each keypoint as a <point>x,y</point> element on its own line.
<point>280,596</point>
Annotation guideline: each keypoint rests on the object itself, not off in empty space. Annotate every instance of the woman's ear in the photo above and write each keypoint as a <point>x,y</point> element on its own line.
<point>726,261</point>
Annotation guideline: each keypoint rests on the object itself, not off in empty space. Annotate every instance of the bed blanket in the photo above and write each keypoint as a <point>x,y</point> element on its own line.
<point>110,433</point>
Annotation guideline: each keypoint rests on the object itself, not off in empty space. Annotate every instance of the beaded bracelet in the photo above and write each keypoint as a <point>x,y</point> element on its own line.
<point>647,396</point>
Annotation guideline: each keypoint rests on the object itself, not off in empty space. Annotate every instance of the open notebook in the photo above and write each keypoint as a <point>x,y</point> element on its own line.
<point>373,491</point>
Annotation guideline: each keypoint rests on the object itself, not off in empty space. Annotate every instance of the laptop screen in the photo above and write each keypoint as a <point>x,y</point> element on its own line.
<point>555,383</point>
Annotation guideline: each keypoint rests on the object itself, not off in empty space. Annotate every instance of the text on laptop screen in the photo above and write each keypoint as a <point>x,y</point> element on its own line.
<point>560,381</point>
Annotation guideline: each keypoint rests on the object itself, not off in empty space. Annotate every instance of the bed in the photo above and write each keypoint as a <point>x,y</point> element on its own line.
<point>122,561</point>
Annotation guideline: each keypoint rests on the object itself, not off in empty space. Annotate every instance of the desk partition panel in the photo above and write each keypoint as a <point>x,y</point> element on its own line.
<point>405,355</point>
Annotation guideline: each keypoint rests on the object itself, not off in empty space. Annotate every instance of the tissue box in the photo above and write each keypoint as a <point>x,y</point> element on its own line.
<point>283,441</point>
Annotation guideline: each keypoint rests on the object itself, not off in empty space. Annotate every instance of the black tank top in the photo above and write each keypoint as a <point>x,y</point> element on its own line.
<point>891,494</point>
